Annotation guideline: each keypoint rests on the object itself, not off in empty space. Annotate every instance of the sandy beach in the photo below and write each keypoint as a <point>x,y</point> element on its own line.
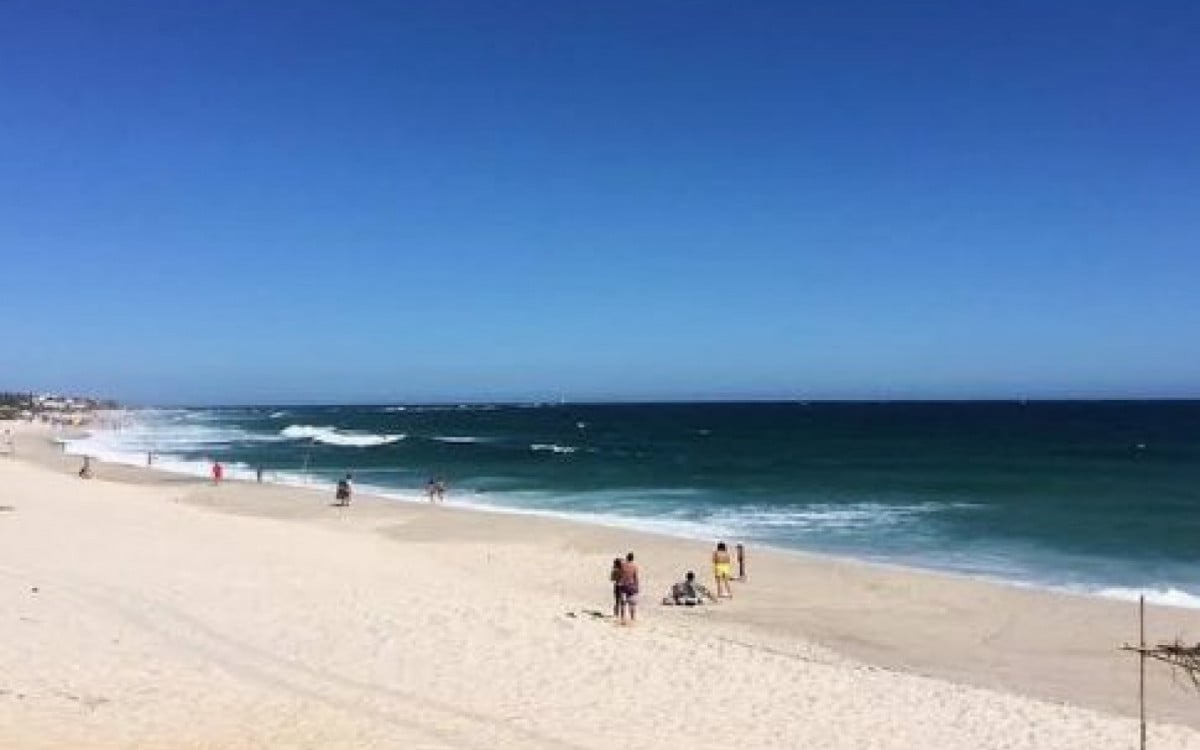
<point>145,610</point>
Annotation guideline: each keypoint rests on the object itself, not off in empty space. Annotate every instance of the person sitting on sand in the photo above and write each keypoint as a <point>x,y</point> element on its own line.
<point>722,569</point>
<point>342,494</point>
<point>689,593</point>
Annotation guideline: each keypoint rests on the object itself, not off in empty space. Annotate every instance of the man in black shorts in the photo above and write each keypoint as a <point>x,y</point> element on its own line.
<point>629,589</point>
<point>343,491</point>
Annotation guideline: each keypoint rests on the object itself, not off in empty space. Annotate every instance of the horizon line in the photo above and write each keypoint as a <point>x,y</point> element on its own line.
<point>667,401</point>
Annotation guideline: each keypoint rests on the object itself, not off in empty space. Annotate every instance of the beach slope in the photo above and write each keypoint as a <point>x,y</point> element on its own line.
<point>138,615</point>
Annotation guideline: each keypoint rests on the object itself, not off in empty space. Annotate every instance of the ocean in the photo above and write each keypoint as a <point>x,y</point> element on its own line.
<point>1093,497</point>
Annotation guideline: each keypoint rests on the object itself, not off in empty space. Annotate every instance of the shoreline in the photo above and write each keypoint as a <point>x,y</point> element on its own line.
<point>1157,597</point>
<point>1050,646</point>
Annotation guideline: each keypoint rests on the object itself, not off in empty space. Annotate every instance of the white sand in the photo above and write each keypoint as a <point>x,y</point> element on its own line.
<point>159,621</point>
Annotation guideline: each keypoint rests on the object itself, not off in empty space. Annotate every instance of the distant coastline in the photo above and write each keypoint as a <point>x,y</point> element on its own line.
<point>72,409</point>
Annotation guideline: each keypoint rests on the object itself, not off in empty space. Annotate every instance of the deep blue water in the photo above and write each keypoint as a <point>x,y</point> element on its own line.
<point>1098,496</point>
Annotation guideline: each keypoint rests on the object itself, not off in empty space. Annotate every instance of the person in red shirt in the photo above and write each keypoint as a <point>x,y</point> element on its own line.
<point>218,472</point>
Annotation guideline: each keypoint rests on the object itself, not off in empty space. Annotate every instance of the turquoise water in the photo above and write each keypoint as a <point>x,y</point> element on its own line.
<point>1095,496</point>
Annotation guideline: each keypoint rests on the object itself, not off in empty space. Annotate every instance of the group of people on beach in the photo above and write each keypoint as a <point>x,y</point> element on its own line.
<point>343,490</point>
<point>686,592</point>
<point>435,489</point>
<point>624,577</point>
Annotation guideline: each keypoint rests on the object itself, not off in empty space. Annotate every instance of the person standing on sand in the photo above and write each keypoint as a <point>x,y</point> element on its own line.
<point>344,490</point>
<point>629,589</point>
<point>722,569</point>
<point>741,558</point>
<point>218,472</point>
<point>615,577</point>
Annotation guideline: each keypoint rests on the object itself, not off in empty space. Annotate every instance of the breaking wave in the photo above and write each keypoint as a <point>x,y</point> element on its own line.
<point>553,448</point>
<point>333,436</point>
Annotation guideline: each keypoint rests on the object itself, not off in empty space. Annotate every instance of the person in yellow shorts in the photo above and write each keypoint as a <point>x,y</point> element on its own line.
<point>722,570</point>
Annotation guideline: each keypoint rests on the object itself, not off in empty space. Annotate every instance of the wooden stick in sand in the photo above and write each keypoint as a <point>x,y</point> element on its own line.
<point>1177,655</point>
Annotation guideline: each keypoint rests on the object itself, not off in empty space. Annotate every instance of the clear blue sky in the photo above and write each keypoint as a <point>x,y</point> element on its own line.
<point>255,201</point>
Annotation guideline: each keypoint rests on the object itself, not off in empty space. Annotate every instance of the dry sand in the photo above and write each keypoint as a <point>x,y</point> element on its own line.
<point>139,610</point>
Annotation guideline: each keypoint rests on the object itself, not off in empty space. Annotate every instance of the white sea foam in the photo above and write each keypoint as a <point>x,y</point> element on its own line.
<point>673,527</point>
<point>1167,597</point>
<point>829,516</point>
<point>461,439</point>
<point>445,407</point>
<point>103,450</point>
<point>130,436</point>
<point>277,414</point>
<point>114,448</point>
<point>553,448</point>
<point>333,436</point>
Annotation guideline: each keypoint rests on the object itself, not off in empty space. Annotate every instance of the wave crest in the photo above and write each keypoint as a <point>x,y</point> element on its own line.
<point>553,448</point>
<point>333,436</point>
